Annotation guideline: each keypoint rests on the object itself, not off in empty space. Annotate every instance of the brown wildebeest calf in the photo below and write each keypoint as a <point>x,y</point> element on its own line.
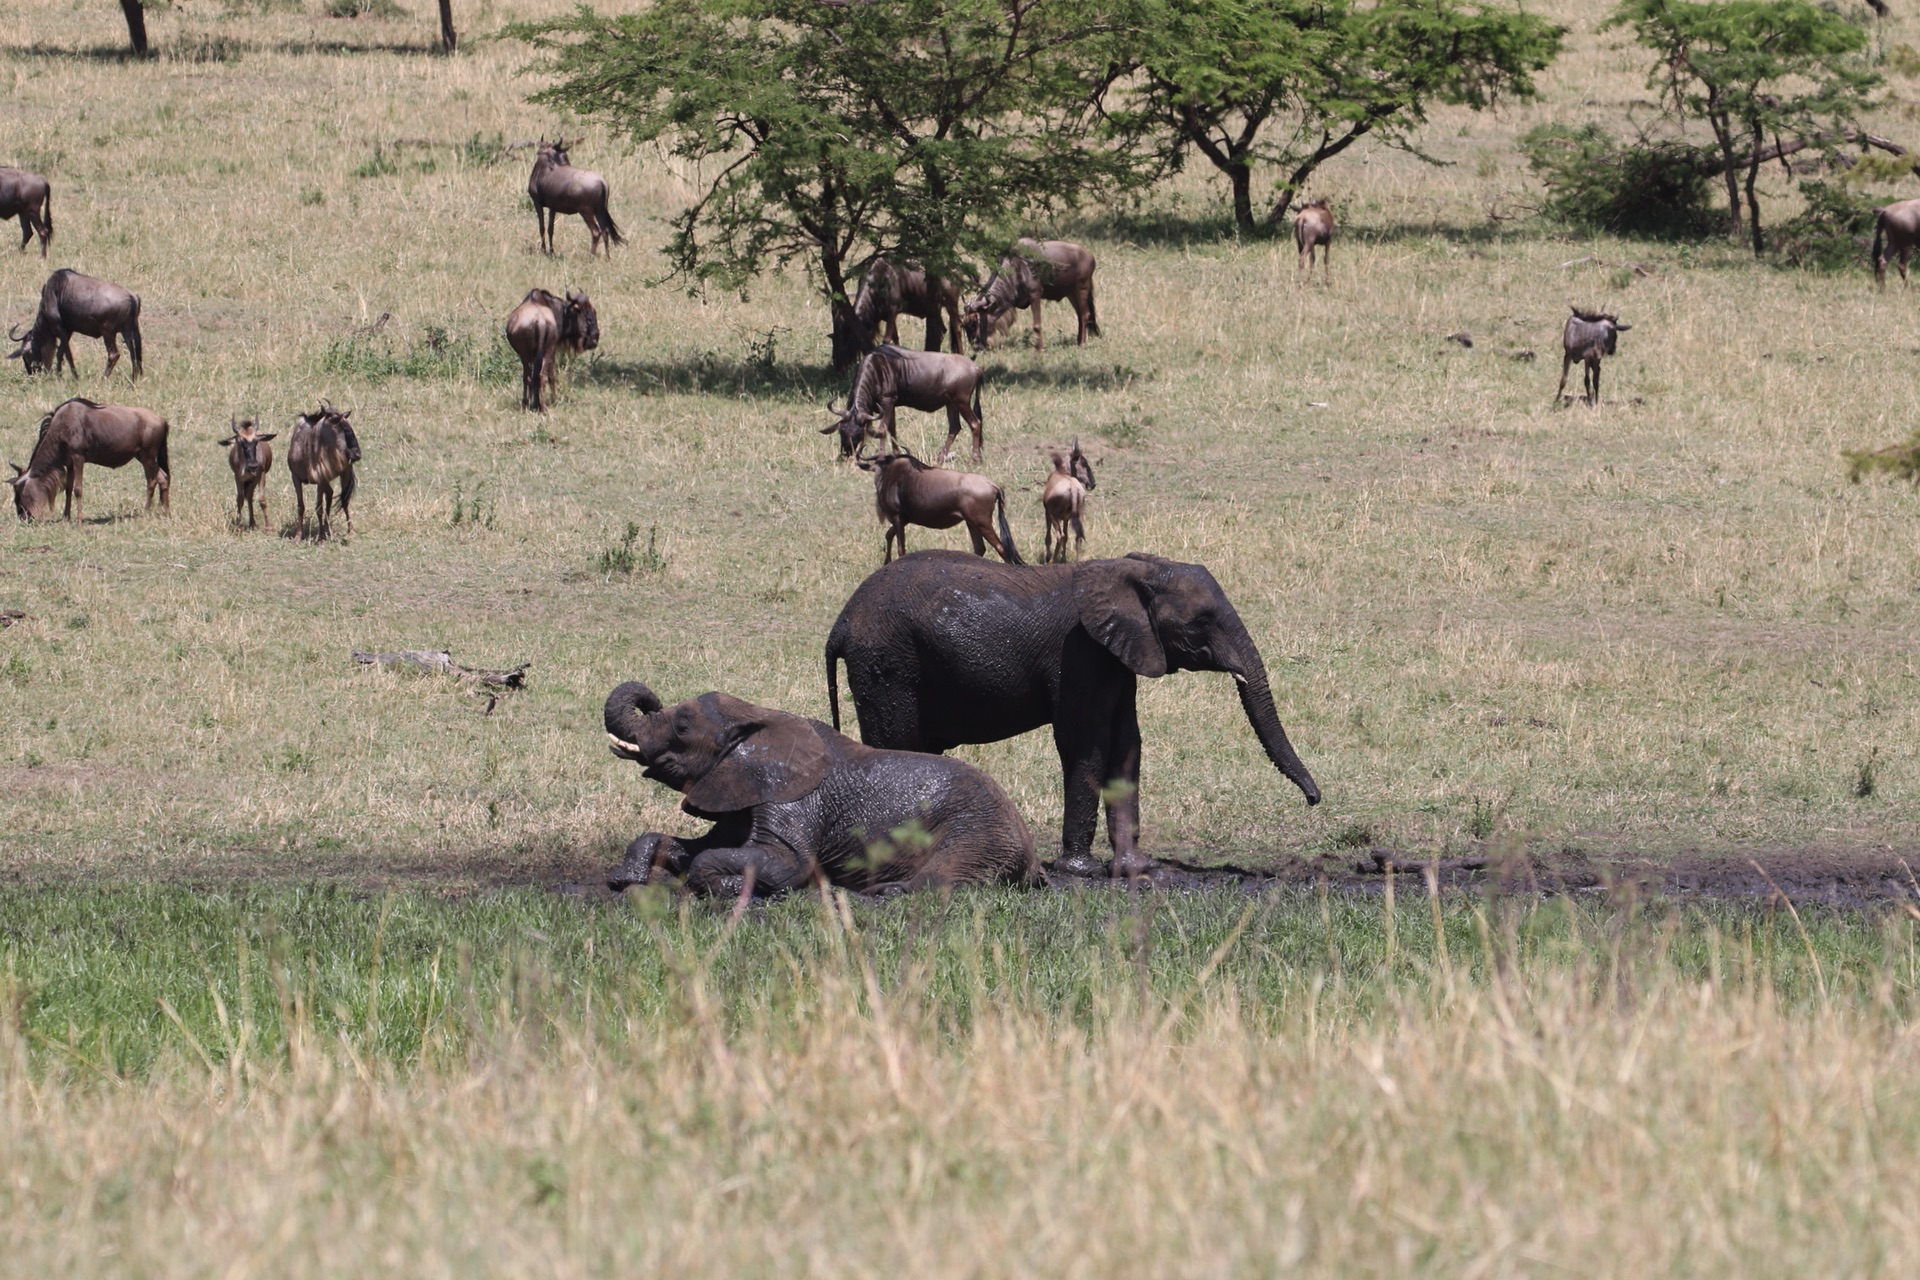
<point>71,303</point>
<point>908,491</point>
<point>1588,336</point>
<point>324,449</point>
<point>1064,498</point>
<point>1313,229</point>
<point>79,432</point>
<point>886,292</point>
<point>929,381</point>
<point>556,187</point>
<point>250,457</point>
<point>1035,272</point>
<point>29,197</point>
<point>542,326</point>
<point>1896,230</point>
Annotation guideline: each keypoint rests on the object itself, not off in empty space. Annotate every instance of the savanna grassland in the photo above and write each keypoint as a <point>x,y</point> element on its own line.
<point>285,987</point>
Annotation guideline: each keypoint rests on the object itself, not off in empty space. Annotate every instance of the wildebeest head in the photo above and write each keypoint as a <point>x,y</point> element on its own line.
<point>33,492</point>
<point>580,323</point>
<point>328,416</point>
<point>1079,467</point>
<point>35,350</point>
<point>853,429</point>
<point>243,446</point>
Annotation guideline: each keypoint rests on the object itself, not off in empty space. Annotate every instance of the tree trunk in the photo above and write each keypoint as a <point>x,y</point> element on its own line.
<point>1753,199</point>
<point>847,346</point>
<point>1241,176</point>
<point>448,41</point>
<point>136,26</point>
<point>1724,137</point>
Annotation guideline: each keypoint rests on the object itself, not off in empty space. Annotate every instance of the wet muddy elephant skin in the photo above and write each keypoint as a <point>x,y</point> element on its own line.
<point>793,801</point>
<point>943,648</point>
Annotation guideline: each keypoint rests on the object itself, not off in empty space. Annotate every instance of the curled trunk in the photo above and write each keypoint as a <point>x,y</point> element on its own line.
<point>626,711</point>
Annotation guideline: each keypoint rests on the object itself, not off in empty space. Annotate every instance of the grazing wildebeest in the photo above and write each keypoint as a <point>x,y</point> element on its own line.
<point>539,328</point>
<point>1589,335</point>
<point>250,457</point>
<point>908,491</point>
<point>556,187</point>
<point>886,291</point>
<point>324,449</point>
<point>1064,498</point>
<point>1034,272</point>
<point>929,381</point>
<point>1313,228</point>
<point>71,303</point>
<point>29,197</point>
<point>1896,230</point>
<point>78,432</point>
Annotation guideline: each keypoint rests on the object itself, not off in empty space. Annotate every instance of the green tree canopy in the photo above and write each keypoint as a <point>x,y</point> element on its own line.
<point>1753,70</point>
<point>827,130</point>
<point>1293,83</point>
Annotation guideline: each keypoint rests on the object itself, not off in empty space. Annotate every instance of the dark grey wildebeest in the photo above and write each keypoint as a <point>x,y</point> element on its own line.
<point>81,431</point>
<point>1589,335</point>
<point>28,197</point>
<point>1034,272</point>
<point>887,291</point>
<point>556,187</point>
<point>71,303</point>
<point>250,457</point>
<point>1896,230</point>
<point>539,329</point>
<point>929,381</point>
<point>324,449</point>
<point>908,491</point>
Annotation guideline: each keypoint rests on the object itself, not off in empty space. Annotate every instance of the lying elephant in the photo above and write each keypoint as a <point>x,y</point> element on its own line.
<point>793,801</point>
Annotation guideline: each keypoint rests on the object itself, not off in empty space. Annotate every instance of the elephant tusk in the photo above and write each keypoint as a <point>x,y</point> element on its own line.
<point>623,747</point>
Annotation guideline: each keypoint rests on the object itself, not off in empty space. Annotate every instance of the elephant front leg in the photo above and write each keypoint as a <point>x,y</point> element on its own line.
<point>1083,768</point>
<point>1122,790</point>
<point>724,872</point>
<point>650,858</point>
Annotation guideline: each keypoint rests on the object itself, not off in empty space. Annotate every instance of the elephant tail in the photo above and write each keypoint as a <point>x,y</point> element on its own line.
<point>836,645</point>
<point>1006,534</point>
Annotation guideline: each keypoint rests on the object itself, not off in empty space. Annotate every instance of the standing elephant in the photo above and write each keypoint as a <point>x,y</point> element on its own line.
<point>793,801</point>
<point>944,648</point>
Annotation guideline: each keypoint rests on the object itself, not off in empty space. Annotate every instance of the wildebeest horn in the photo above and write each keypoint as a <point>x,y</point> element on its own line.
<point>830,409</point>
<point>1621,327</point>
<point>14,334</point>
<point>18,470</point>
<point>870,418</point>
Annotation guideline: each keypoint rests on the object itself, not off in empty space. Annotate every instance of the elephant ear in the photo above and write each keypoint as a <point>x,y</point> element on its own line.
<point>775,758</point>
<point>1111,596</point>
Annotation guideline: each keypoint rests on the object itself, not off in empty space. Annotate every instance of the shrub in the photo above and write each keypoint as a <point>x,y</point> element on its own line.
<point>1647,187</point>
<point>374,354</point>
<point>1830,233</point>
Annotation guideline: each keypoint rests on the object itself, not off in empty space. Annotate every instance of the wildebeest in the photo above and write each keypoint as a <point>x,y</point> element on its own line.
<point>891,376</point>
<point>886,291</point>
<point>1313,228</point>
<point>1589,335</point>
<point>1896,230</point>
<point>324,449</point>
<point>1063,498</point>
<point>1034,272</point>
<point>29,197</point>
<point>81,431</point>
<point>250,457</point>
<point>71,303</point>
<point>556,187</point>
<point>539,328</point>
<point>908,491</point>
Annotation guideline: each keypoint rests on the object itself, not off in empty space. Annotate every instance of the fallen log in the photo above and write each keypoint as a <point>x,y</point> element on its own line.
<point>439,662</point>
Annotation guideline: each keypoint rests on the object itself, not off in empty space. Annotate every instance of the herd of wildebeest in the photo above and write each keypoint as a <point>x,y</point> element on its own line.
<point>941,648</point>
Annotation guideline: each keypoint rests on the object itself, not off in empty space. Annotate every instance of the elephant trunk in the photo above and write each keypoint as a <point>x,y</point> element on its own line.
<point>1256,699</point>
<point>625,717</point>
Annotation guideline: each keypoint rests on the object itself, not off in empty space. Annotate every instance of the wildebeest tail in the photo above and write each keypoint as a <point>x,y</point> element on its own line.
<point>606,222</point>
<point>976,404</point>
<point>1006,534</point>
<point>166,468</point>
<point>133,335</point>
<point>836,645</point>
<point>1879,246</point>
<point>1093,312</point>
<point>46,218</point>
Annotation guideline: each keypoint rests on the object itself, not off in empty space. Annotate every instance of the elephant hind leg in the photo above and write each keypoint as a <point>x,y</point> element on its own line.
<point>723,872</point>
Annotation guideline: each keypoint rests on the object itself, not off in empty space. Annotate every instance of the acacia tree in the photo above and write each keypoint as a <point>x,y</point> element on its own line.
<point>136,16</point>
<point>1753,70</point>
<point>826,131</point>
<point>1293,83</point>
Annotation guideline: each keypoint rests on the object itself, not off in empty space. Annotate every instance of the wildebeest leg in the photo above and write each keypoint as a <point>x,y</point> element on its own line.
<point>260,490</point>
<point>66,353</point>
<point>540,225</point>
<point>953,433</point>
<point>323,508</point>
<point>548,376</point>
<point>1593,382</point>
<point>113,353</point>
<point>897,529</point>
<point>1123,790</point>
<point>1079,537</point>
<point>73,489</point>
<point>1906,250</point>
<point>1566,363</point>
<point>1039,339</point>
<point>300,511</point>
<point>934,333</point>
<point>1326,263</point>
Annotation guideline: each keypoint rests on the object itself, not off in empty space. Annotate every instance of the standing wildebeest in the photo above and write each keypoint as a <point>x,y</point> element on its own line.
<point>71,303</point>
<point>1063,499</point>
<point>1589,335</point>
<point>1896,230</point>
<point>28,197</point>
<point>538,328</point>
<point>1313,228</point>
<point>324,449</point>
<point>556,187</point>
<point>886,291</point>
<point>907,491</point>
<point>1035,272</point>
<point>251,458</point>
<point>890,376</point>
<point>79,432</point>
